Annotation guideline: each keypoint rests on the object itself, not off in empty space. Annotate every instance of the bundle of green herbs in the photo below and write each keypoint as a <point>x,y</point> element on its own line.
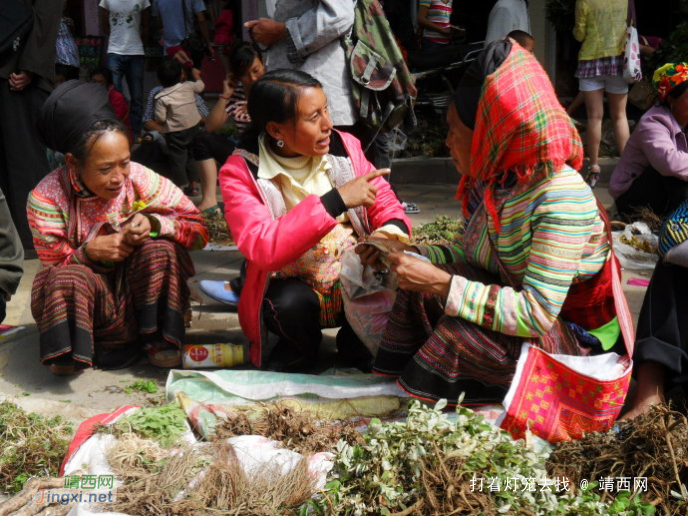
<point>437,464</point>
<point>164,424</point>
<point>443,230</point>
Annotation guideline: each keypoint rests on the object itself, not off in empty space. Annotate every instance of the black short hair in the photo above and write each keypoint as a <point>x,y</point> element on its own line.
<point>82,148</point>
<point>521,37</point>
<point>105,72</point>
<point>274,98</point>
<point>169,72</point>
<point>241,58</point>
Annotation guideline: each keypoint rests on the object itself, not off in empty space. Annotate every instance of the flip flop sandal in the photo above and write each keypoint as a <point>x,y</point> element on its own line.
<point>212,211</point>
<point>593,176</point>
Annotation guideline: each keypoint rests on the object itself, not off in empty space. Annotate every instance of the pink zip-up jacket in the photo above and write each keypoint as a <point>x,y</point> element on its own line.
<point>270,238</point>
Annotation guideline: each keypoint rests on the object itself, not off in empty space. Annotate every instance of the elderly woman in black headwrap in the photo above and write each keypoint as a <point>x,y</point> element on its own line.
<point>112,239</point>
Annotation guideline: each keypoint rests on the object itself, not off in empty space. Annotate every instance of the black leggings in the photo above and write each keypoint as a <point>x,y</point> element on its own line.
<point>212,146</point>
<point>291,311</point>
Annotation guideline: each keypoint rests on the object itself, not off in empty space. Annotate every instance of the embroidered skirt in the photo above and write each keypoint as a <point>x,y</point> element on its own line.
<point>98,319</point>
<point>437,356</point>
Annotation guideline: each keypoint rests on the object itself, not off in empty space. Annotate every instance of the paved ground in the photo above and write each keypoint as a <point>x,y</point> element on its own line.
<point>94,391</point>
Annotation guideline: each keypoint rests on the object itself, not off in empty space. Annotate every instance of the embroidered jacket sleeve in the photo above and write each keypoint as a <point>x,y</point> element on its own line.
<point>442,254</point>
<point>560,228</point>
<point>179,219</point>
<point>49,223</point>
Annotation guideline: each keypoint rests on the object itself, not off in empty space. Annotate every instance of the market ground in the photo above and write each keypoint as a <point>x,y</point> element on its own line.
<point>25,381</point>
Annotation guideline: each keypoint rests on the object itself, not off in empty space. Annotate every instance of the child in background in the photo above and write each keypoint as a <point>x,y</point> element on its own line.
<point>176,111</point>
<point>103,76</point>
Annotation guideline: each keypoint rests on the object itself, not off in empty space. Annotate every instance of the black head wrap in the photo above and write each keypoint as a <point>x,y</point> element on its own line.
<point>467,93</point>
<point>70,110</point>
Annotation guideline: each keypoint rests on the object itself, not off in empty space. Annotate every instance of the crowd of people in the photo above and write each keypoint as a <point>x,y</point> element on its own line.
<point>113,227</point>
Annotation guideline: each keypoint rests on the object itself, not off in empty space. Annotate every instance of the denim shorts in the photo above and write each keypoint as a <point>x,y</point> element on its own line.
<point>610,84</point>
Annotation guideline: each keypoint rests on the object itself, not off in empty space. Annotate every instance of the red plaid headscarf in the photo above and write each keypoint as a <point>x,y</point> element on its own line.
<point>520,127</point>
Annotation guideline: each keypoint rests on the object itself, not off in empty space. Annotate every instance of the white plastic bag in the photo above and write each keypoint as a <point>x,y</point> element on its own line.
<point>630,257</point>
<point>368,299</point>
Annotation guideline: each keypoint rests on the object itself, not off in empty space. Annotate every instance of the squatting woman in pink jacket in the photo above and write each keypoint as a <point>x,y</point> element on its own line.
<point>297,194</point>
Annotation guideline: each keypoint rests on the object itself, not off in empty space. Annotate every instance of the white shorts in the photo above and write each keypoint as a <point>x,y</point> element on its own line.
<point>609,83</point>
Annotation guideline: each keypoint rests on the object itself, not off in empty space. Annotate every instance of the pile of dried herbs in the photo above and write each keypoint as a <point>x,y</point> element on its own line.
<point>204,480</point>
<point>296,430</point>
<point>433,464</point>
<point>30,445</point>
<point>654,446</point>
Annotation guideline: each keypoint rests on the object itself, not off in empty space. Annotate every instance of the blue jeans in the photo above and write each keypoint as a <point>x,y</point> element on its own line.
<point>131,69</point>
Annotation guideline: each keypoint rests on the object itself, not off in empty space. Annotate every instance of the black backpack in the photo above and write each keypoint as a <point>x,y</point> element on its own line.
<point>16,20</point>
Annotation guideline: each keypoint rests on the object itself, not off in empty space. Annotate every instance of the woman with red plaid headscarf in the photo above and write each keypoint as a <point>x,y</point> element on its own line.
<point>533,263</point>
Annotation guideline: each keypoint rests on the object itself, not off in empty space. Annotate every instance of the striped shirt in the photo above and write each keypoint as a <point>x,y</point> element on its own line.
<point>237,98</point>
<point>551,235</point>
<point>439,12</point>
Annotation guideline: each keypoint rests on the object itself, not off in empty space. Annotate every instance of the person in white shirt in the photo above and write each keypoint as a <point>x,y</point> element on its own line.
<point>124,21</point>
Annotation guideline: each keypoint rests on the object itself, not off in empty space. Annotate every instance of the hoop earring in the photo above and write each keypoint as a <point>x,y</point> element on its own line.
<point>280,143</point>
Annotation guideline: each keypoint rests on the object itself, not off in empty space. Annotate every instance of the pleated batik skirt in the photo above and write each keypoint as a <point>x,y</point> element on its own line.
<point>437,356</point>
<point>97,318</point>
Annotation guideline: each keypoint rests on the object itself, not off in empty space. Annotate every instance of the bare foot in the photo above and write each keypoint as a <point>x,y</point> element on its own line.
<point>642,407</point>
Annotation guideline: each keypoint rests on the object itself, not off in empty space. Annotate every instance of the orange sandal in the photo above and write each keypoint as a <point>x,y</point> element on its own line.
<point>64,369</point>
<point>163,354</point>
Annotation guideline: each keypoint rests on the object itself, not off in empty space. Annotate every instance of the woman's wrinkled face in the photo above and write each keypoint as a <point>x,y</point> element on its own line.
<point>255,72</point>
<point>106,167</point>
<point>309,133</point>
<point>459,140</point>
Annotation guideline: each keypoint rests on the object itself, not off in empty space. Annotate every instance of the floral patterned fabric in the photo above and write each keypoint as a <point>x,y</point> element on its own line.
<point>668,76</point>
<point>64,215</point>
